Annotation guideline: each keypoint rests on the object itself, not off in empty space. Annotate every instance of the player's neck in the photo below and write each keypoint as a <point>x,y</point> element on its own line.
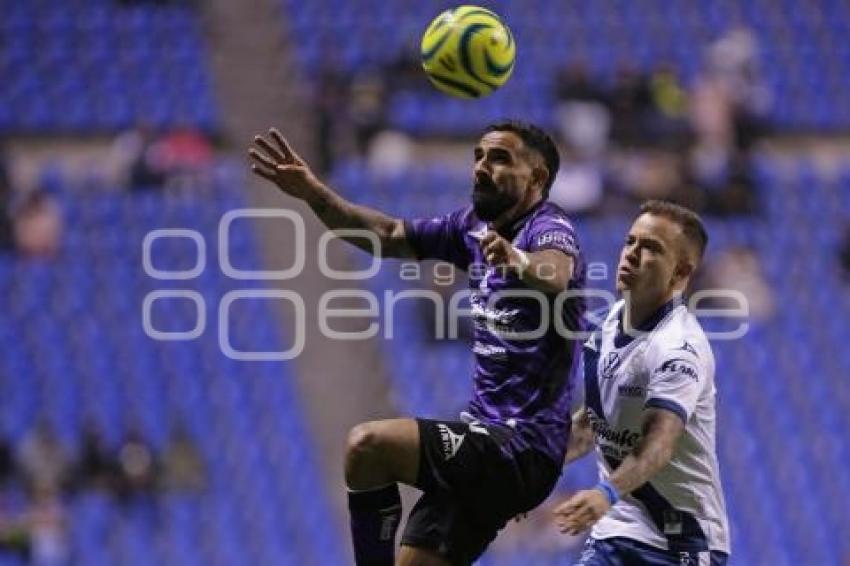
<point>637,313</point>
<point>634,315</point>
<point>509,218</point>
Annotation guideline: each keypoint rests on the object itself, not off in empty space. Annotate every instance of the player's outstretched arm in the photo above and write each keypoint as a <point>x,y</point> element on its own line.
<point>275,160</point>
<point>661,430</point>
<point>581,437</point>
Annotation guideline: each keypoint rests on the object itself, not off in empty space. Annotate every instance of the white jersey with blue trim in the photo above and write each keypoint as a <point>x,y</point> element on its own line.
<point>668,365</point>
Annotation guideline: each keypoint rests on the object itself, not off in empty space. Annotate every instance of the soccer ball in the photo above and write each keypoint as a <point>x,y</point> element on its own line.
<point>468,52</point>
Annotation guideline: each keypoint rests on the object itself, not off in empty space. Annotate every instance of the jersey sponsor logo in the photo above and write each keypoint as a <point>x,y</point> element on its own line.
<point>555,238</point>
<point>479,309</point>
<point>678,366</point>
<point>451,441</point>
<point>622,438</point>
<point>630,390</point>
<point>501,321</point>
<point>611,363</point>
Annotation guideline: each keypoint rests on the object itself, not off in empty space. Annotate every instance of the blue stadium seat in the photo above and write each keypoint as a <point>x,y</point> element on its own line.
<point>54,67</point>
<point>103,367</point>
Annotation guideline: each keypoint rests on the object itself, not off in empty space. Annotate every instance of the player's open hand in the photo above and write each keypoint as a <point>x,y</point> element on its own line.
<point>276,161</point>
<point>581,511</point>
<point>498,251</point>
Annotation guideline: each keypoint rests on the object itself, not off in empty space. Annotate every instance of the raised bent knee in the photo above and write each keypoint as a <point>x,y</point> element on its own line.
<point>380,452</point>
<point>362,465</point>
<point>362,439</point>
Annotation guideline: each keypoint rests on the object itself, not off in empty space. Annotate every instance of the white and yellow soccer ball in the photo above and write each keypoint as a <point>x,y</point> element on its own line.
<point>468,52</point>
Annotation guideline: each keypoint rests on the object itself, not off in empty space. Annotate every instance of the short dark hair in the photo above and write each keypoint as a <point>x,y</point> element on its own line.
<point>687,219</point>
<point>535,139</point>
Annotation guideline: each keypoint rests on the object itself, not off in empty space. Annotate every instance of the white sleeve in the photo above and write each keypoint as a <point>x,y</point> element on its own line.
<point>676,379</point>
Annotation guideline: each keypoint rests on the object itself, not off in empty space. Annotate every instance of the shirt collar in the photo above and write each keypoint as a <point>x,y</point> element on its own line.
<point>622,339</point>
<point>509,232</point>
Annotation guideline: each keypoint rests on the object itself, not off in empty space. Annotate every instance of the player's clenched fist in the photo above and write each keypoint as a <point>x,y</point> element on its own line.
<point>276,161</point>
<point>498,251</point>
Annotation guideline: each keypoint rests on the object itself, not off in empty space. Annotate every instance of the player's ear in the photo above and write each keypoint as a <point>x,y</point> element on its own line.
<point>539,177</point>
<point>685,268</point>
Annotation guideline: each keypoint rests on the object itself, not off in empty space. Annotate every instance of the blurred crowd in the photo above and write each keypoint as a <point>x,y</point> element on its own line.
<point>691,143</point>
<point>146,158</point>
<point>30,221</point>
<point>141,158</point>
<point>351,111</point>
<point>40,476</point>
<point>646,134</point>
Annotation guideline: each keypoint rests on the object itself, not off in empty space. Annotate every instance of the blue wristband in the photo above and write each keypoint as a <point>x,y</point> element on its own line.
<point>610,492</point>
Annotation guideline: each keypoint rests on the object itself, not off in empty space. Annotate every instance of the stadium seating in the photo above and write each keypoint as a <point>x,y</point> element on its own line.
<point>70,354</point>
<point>87,66</point>
<point>74,348</point>
<point>805,62</point>
<point>784,408</point>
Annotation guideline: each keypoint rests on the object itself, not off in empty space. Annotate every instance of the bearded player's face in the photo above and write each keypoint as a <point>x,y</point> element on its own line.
<point>503,175</point>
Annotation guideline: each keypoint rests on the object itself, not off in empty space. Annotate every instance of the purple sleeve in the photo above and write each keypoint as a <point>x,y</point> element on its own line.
<point>553,232</point>
<point>441,237</point>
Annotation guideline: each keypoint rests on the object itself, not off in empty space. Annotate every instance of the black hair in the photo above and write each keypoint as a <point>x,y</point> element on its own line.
<point>687,219</point>
<point>535,139</point>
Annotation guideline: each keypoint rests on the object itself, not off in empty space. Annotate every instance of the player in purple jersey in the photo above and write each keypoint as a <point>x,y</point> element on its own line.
<point>526,271</point>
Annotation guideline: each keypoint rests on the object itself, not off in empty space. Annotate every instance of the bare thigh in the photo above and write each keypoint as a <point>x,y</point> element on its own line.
<point>414,556</point>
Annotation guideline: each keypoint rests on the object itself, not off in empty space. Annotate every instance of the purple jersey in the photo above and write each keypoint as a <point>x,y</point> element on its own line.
<point>525,382</point>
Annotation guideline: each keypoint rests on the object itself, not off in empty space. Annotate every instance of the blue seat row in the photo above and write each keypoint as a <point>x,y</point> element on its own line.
<point>75,350</point>
<point>83,67</point>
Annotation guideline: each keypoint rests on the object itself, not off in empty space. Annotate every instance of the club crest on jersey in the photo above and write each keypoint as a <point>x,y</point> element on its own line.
<point>610,364</point>
<point>679,366</point>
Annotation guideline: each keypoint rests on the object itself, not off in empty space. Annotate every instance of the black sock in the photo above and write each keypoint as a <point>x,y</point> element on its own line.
<point>375,515</point>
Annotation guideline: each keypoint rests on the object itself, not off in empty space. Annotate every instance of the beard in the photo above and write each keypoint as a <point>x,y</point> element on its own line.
<point>489,202</point>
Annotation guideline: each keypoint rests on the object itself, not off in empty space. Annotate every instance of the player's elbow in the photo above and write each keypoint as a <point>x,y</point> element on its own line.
<point>664,455</point>
<point>656,455</point>
<point>394,240</point>
<point>556,273</point>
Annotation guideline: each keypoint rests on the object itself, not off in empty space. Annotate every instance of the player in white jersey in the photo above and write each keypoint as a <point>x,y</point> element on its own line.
<point>650,411</point>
